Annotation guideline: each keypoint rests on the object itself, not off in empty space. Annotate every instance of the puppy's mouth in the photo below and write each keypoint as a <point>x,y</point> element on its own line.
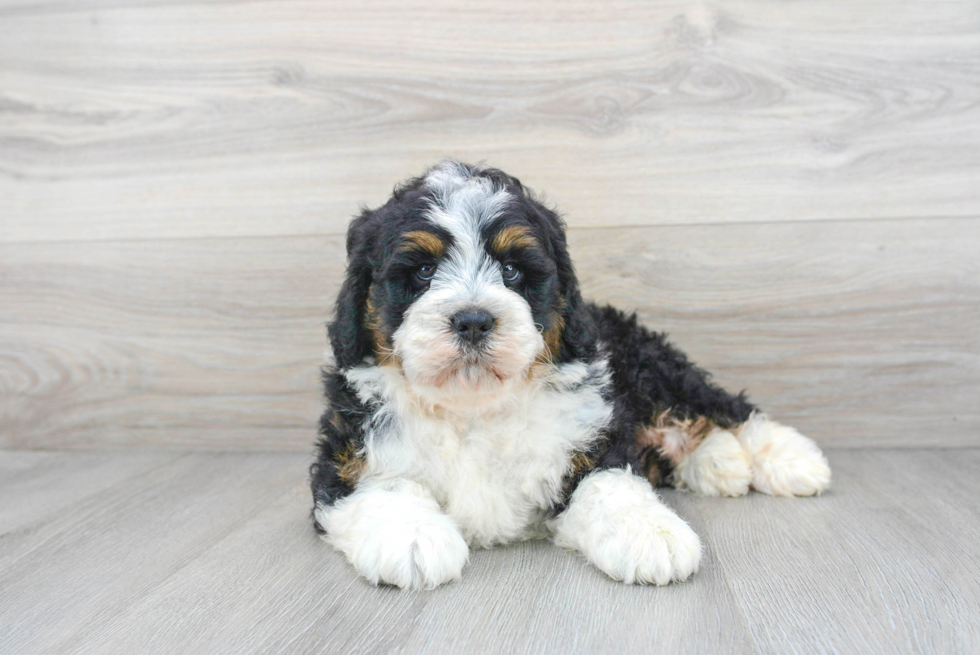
<point>474,355</point>
<point>472,369</point>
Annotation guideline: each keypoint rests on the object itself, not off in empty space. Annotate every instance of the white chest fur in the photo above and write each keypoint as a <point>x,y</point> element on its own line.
<point>495,472</point>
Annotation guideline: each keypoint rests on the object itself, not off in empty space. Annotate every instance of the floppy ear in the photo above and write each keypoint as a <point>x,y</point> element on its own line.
<point>580,333</point>
<point>348,339</point>
<point>579,338</point>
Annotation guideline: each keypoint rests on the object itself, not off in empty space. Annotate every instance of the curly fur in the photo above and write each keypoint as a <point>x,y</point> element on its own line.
<point>542,425</point>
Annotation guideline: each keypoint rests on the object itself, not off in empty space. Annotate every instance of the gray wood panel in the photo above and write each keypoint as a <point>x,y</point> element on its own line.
<point>85,562</point>
<point>38,484</point>
<point>129,119</point>
<point>859,332</point>
<point>283,590</point>
<point>215,553</point>
<point>175,343</point>
<point>887,562</point>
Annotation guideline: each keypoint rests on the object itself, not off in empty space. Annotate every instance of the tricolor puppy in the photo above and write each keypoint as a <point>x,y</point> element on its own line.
<point>476,399</point>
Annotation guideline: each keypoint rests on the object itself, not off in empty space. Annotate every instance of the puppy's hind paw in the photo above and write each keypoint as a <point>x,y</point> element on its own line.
<point>718,467</point>
<point>784,462</point>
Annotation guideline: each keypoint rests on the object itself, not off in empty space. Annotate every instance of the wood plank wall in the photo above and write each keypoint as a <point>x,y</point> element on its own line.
<point>791,189</point>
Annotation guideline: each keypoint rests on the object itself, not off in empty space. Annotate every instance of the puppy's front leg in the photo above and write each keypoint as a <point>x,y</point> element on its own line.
<point>619,523</point>
<point>394,532</point>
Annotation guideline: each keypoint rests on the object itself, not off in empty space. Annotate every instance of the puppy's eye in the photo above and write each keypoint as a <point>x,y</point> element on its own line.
<point>425,272</point>
<point>511,273</point>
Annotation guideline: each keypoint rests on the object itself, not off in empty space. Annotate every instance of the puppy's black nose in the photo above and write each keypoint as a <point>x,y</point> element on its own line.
<point>472,325</point>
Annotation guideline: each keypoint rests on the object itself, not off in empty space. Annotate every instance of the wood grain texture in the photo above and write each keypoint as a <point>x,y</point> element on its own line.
<point>39,484</point>
<point>215,553</point>
<point>127,119</point>
<point>112,342</point>
<point>857,332</point>
<point>84,563</point>
<point>886,562</point>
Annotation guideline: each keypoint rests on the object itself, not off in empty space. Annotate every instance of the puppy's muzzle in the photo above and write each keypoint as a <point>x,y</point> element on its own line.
<point>472,325</point>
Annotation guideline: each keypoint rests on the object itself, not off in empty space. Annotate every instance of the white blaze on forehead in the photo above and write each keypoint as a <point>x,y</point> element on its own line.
<point>464,205</point>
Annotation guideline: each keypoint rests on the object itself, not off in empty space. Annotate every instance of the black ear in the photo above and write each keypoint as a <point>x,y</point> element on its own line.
<point>350,342</point>
<point>580,334</point>
<point>579,339</point>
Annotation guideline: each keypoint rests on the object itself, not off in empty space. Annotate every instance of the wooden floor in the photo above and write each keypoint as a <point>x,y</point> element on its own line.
<point>169,552</point>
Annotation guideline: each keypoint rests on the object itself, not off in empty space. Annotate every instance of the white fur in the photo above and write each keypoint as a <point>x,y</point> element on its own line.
<point>393,531</point>
<point>719,466</point>
<point>619,523</point>
<point>463,203</point>
<point>784,462</point>
<point>442,368</point>
<point>494,470</point>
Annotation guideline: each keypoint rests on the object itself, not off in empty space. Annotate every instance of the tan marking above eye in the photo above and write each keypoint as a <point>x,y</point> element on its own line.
<point>422,241</point>
<point>514,236</point>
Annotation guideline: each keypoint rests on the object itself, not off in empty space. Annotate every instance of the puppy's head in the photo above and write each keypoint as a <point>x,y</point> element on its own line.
<point>463,280</point>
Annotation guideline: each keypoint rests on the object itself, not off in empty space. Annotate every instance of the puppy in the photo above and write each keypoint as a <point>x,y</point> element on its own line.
<point>476,399</point>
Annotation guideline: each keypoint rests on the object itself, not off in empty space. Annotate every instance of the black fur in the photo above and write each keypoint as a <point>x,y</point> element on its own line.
<point>371,239</point>
<point>650,377</point>
<point>341,427</point>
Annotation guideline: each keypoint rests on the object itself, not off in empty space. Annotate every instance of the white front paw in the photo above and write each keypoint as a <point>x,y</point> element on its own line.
<point>415,556</point>
<point>647,548</point>
<point>394,532</point>
<point>784,462</point>
<point>619,523</point>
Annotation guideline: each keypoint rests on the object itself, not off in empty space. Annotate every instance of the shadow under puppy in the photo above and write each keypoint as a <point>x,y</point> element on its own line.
<point>476,399</point>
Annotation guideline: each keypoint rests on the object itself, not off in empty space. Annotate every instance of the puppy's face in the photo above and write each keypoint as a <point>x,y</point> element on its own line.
<point>461,279</point>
